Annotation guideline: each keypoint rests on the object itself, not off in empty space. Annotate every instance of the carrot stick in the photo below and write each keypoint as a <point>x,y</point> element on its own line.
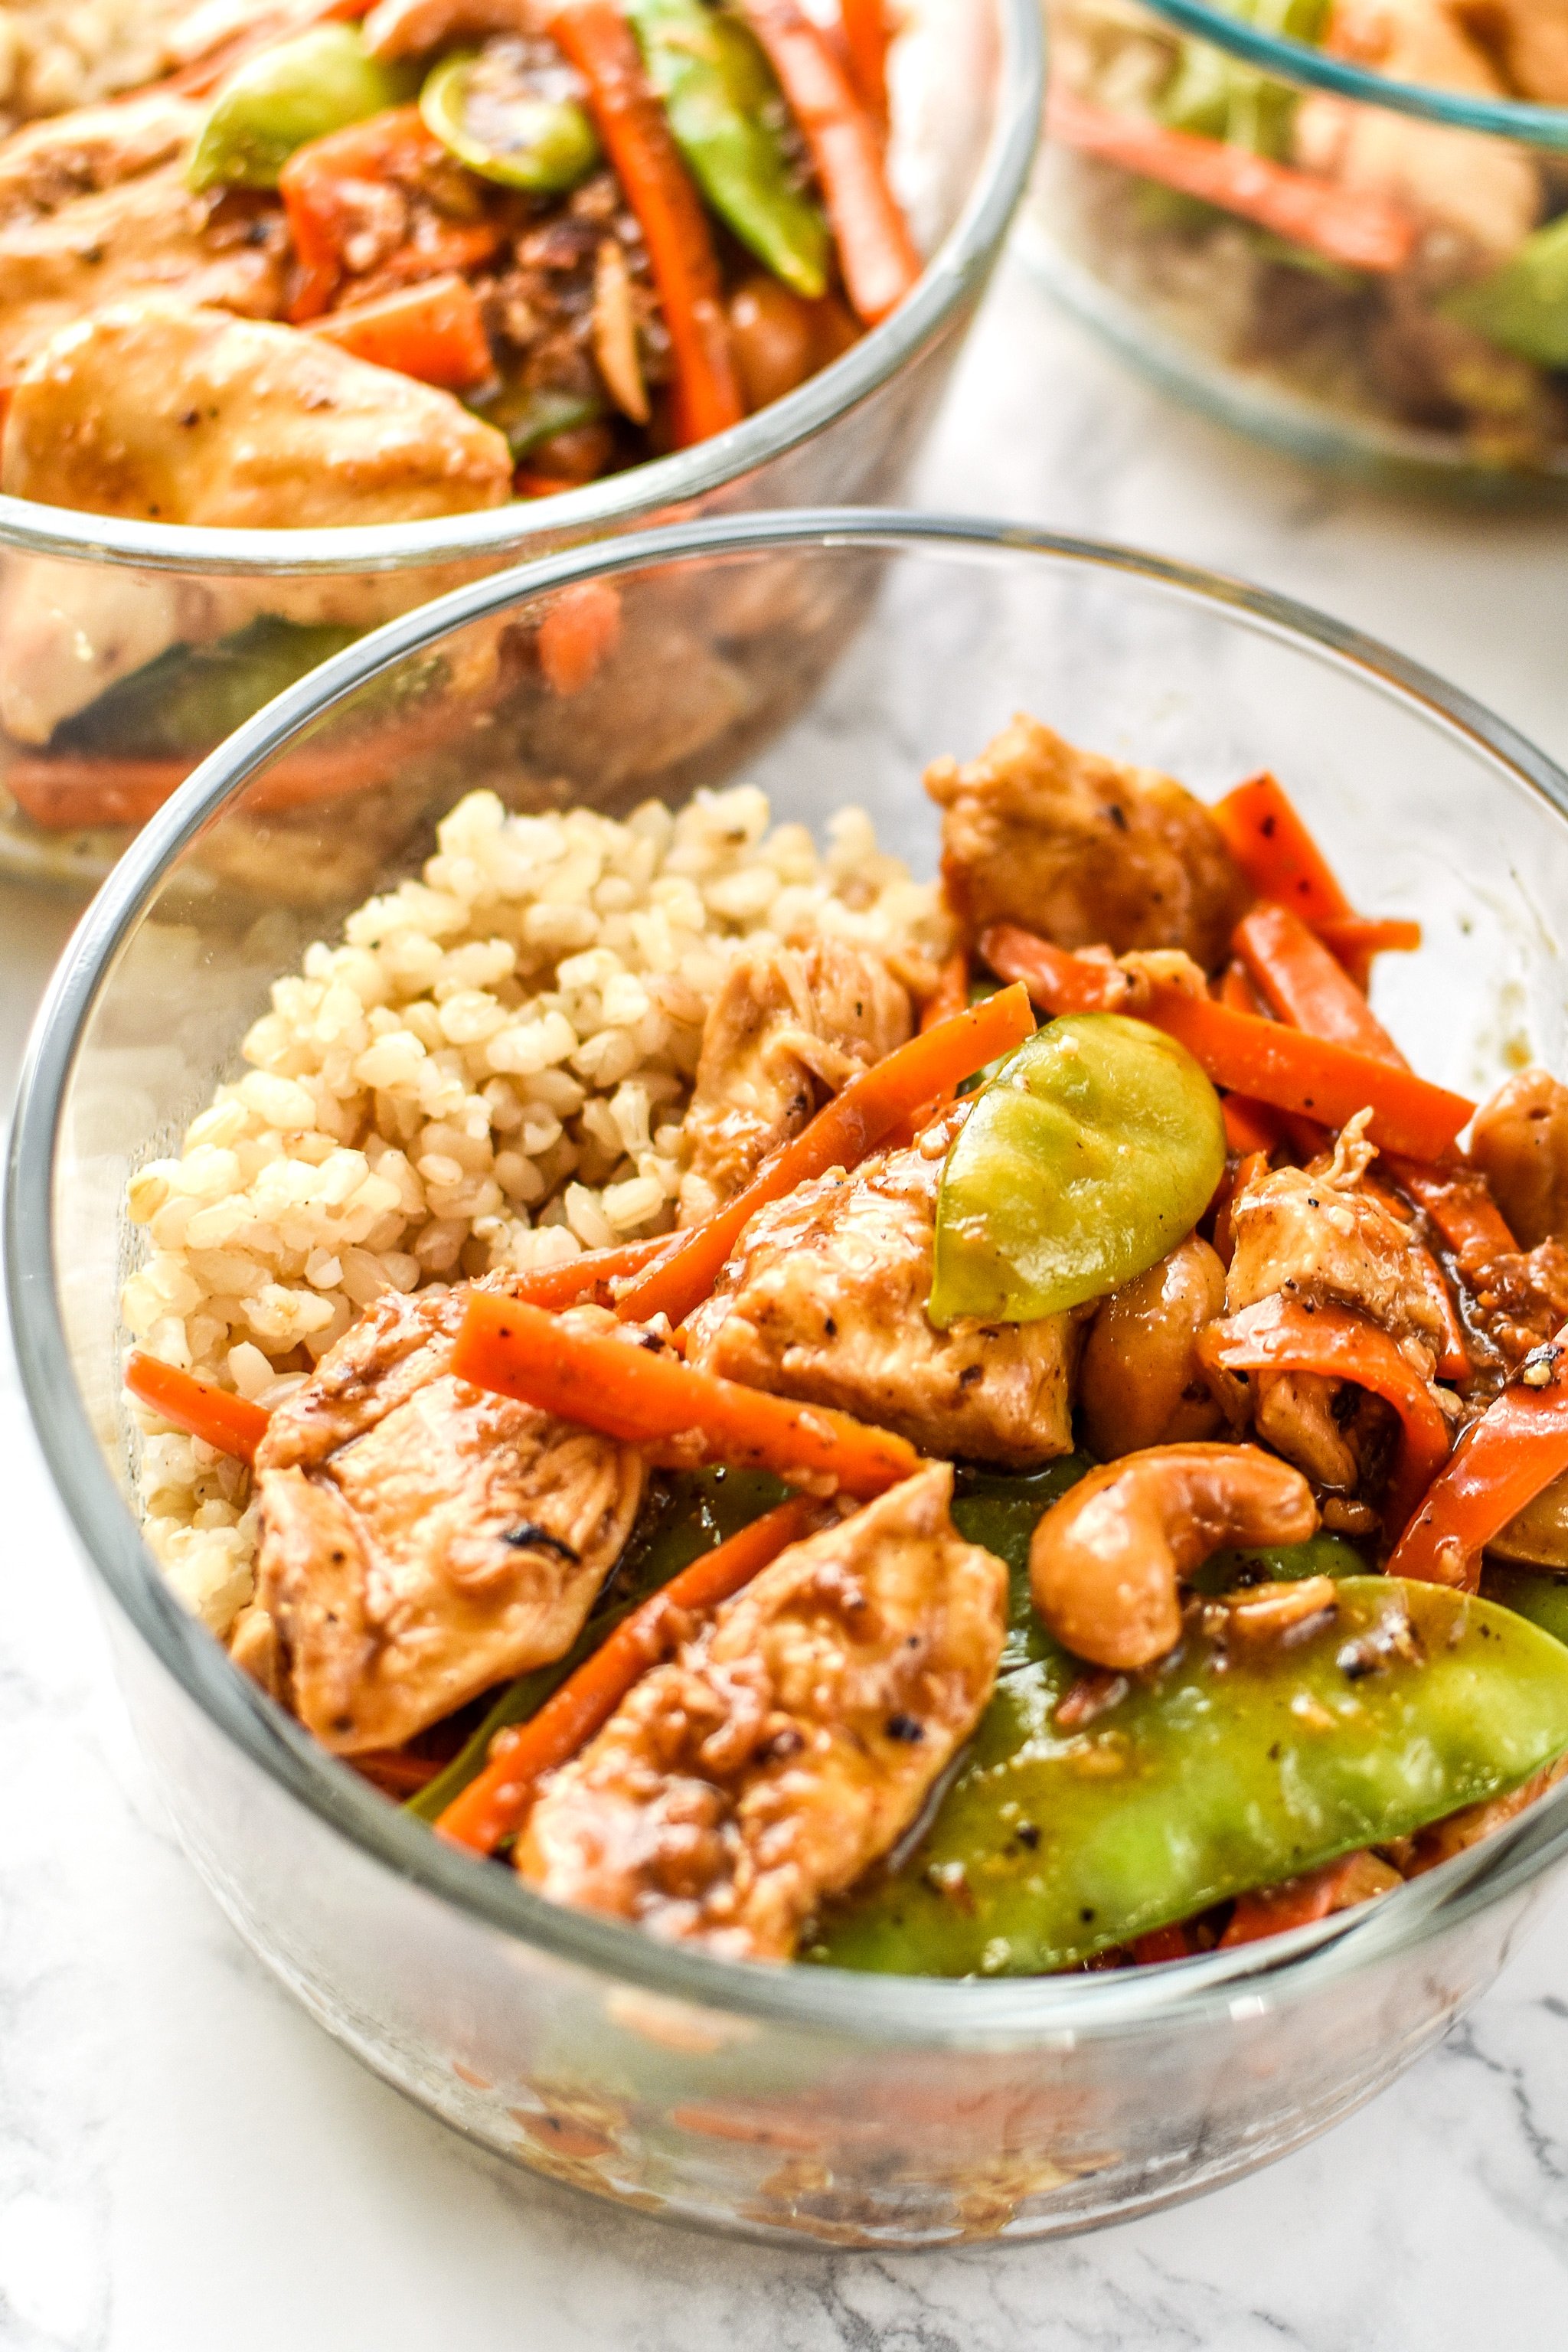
<point>591,1275</point>
<point>1161,1944</point>
<point>1281,1335</point>
<point>578,635</point>
<point>1361,230</point>
<point>1283,1067</point>
<point>875,251</point>
<point>1277,853</point>
<point>1356,939</point>
<point>220,1417</point>
<point>1502,1461</point>
<point>867,33</point>
<point>434,332</point>
<point>599,42</point>
<point>647,1396</point>
<point>317,187</point>
<point>1250,1126</point>
<point>1302,1902</point>
<point>840,1135</point>
<point>1459,1203</point>
<point>951,994</point>
<point>1305,985</point>
<point>396,1772</point>
<point>496,1802</point>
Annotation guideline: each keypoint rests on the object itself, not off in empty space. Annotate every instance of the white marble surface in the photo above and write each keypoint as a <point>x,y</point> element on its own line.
<point>186,2164</point>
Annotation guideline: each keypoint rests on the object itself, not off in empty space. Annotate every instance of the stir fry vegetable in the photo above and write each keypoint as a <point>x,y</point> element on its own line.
<point>1239,1763</point>
<point>282,98</point>
<point>1090,1154</point>
<point>502,127</point>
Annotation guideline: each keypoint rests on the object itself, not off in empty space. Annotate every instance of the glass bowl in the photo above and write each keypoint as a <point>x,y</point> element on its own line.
<point>1406,332</point>
<point>796,2102</point>
<point>89,603</point>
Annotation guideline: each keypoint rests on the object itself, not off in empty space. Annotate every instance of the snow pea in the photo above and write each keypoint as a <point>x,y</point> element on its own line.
<point>1230,1765</point>
<point>1223,97</point>
<point>1523,307</point>
<point>507,123</point>
<point>1094,1148</point>
<point>322,80</point>
<point>190,697</point>
<point>686,1513</point>
<point>723,108</point>
<point>1539,1594</point>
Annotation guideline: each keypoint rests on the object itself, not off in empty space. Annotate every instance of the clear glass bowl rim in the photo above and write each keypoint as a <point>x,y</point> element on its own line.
<point>1298,62</point>
<point>931,2012</point>
<point>642,492</point>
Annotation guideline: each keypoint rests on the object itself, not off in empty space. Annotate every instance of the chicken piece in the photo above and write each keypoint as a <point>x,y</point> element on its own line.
<point>825,1301</point>
<point>1519,1143</point>
<point>1483,193</point>
<point>147,233</point>
<point>1530,39</point>
<point>785,1031</point>
<point>407,28</point>
<point>154,408</point>
<point>68,631</point>
<point>422,1539</point>
<point>792,1742</point>
<point>1084,850</point>
<point>1319,1235</point>
<point>46,164</point>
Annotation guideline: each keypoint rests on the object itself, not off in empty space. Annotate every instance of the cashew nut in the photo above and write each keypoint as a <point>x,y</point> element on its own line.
<point>1107,1562</point>
<point>1138,1367</point>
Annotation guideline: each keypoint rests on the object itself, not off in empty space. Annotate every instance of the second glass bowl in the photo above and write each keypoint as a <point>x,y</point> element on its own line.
<point>1368,268</point>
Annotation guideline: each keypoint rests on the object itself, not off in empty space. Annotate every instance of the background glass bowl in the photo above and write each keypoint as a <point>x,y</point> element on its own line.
<point>792,2102</point>
<point>80,590</point>
<point>1196,301</point>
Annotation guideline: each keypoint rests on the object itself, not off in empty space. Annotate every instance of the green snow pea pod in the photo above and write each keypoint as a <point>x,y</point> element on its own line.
<point>723,105</point>
<point>687,1513</point>
<point>509,124</point>
<point>1094,1148</point>
<point>1322,1554</point>
<point>1231,1766</point>
<point>190,697</point>
<point>1541,1594</point>
<point>1523,307</point>
<point>322,80</point>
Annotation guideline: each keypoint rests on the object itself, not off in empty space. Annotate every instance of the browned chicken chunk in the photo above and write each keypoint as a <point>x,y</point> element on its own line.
<point>422,1539</point>
<point>791,1744</point>
<point>1084,850</point>
<point>1530,39</point>
<point>154,408</point>
<point>1318,1235</point>
<point>785,1031</point>
<point>1519,1143</point>
<point>825,1300</point>
<point>45,165</point>
<point>147,235</point>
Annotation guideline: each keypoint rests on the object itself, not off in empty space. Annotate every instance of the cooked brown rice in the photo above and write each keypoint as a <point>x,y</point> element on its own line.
<point>489,1072</point>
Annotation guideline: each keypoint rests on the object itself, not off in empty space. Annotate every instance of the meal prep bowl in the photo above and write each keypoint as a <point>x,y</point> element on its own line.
<point>791,2103</point>
<point>86,600</point>
<point>1360,370</point>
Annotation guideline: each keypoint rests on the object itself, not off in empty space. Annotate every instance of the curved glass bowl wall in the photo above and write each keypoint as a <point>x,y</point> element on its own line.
<point>805,2102</point>
<point>86,600</point>
<point>1369,370</point>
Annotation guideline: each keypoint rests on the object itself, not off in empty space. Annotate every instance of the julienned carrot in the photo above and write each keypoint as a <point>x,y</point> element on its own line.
<point>603,48</point>
<point>1250,1126</point>
<point>1281,1335</point>
<point>323,198</point>
<point>1459,1203</point>
<point>1329,1083</point>
<point>647,1396</point>
<point>1277,853</point>
<point>1306,985</point>
<point>875,251</point>
<point>496,1801</point>
<point>218,1416</point>
<point>1503,1461</point>
<point>434,332</point>
<point>1300,1902</point>
<point>1355,938</point>
<point>870,1109</point>
<point>951,993</point>
<point>1363,231</point>
<point>591,1275</point>
<point>867,33</point>
<point>578,635</point>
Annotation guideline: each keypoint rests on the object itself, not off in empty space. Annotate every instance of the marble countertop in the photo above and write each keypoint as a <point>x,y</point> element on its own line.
<point>187,2164</point>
